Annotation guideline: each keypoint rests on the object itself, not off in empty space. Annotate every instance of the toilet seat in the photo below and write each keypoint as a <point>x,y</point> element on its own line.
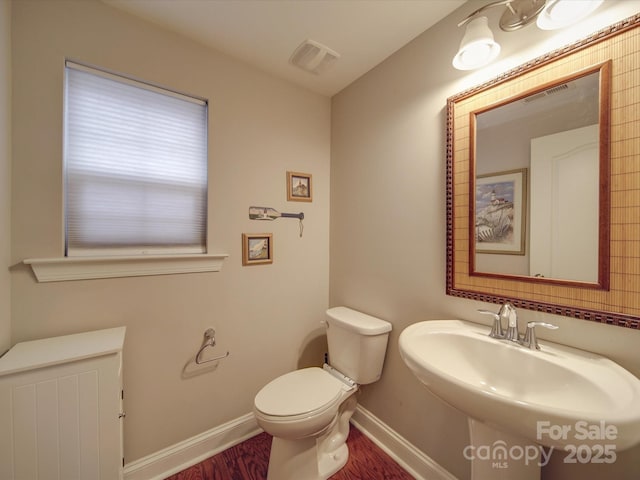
<point>301,393</point>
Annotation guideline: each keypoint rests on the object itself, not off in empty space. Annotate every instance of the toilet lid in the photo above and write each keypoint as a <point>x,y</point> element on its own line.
<point>299,392</point>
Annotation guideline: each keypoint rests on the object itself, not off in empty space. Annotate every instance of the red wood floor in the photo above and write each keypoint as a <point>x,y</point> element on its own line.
<point>249,460</point>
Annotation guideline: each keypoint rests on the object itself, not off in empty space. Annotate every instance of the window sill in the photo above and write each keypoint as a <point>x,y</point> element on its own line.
<point>85,268</point>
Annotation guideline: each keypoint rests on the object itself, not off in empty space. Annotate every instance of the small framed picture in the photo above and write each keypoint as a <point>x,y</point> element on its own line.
<point>500,213</point>
<point>299,187</point>
<point>257,248</point>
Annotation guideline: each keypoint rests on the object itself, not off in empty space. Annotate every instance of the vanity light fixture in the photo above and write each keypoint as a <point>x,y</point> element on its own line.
<point>478,47</point>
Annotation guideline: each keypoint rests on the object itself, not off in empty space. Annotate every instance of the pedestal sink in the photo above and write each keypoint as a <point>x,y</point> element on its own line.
<point>558,396</point>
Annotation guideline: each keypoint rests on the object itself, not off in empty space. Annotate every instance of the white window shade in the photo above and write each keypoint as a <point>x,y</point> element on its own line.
<point>135,167</point>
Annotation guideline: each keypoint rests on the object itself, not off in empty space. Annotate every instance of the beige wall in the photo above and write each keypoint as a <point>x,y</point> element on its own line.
<point>388,226</point>
<point>5,174</point>
<point>260,127</point>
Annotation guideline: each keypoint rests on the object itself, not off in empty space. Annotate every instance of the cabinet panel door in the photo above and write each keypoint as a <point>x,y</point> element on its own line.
<point>62,422</point>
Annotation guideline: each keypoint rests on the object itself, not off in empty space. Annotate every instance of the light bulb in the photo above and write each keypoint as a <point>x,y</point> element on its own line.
<point>561,13</point>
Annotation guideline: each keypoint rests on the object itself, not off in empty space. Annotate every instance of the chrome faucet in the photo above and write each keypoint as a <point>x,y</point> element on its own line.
<point>508,313</point>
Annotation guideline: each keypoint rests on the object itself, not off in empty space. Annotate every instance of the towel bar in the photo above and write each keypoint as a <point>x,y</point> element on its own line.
<point>209,334</point>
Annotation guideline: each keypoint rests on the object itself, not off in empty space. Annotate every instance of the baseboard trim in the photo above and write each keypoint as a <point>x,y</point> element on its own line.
<point>173,459</point>
<point>413,460</point>
<point>182,455</point>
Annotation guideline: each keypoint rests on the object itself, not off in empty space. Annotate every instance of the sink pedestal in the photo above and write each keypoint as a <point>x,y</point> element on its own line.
<point>496,455</point>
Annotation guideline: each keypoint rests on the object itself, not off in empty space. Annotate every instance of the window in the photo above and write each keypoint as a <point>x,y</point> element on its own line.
<point>135,167</point>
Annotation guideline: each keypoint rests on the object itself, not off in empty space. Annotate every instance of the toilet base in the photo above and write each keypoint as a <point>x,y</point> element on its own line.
<point>330,463</point>
<point>291,459</point>
<point>298,459</point>
<point>313,458</point>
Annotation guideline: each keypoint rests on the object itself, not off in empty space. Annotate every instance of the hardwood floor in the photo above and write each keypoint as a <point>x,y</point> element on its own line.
<point>249,460</point>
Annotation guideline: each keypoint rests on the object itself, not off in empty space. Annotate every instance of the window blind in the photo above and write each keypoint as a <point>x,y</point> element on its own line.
<point>135,164</point>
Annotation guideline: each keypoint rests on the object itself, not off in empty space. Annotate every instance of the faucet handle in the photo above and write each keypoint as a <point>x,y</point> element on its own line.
<point>496,329</point>
<point>530,340</point>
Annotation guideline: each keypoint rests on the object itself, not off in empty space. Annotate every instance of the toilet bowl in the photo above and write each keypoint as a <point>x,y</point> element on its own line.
<point>307,411</point>
<point>301,403</point>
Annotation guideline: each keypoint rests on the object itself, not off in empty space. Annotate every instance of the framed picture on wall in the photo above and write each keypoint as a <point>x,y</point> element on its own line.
<point>500,212</point>
<point>257,248</point>
<point>299,187</point>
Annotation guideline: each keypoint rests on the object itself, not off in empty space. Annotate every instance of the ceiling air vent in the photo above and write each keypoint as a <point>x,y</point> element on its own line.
<point>313,57</point>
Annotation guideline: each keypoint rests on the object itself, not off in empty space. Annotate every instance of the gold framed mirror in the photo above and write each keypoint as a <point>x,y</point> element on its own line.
<point>497,259</point>
<point>539,183</point>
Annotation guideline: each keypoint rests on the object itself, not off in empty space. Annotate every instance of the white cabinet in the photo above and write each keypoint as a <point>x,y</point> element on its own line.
<point>61,408</point>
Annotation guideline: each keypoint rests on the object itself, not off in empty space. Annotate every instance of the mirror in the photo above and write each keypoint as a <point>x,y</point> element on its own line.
<point>500,202</point>
<point>540,182</point>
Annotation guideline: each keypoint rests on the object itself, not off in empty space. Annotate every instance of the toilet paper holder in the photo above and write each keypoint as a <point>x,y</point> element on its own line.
<point>210,341</point>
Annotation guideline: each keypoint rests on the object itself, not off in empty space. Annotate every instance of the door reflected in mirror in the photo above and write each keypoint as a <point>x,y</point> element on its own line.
<point>540,165</point>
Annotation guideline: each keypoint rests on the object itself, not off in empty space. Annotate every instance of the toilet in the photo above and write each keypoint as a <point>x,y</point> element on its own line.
<point>307,411</point>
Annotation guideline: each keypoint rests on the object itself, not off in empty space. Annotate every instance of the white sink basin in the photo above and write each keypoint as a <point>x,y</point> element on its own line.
<point>555,396</point>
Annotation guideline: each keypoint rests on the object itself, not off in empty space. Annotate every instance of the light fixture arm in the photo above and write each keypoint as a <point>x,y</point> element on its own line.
<point>486,7</point>
<point>518,14</point>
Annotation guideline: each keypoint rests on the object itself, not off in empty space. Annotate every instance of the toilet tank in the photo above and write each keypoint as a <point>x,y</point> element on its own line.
<point>357,343</point>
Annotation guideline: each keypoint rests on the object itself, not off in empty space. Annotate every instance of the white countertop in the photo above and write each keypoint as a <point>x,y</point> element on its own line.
<point>68,348</point>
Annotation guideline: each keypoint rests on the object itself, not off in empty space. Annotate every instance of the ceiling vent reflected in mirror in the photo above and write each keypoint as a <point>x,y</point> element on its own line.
<point>313,57</point>
<point>546,93</point>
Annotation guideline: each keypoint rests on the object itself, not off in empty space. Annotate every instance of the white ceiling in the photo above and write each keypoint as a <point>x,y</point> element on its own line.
<point>264,33</point>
